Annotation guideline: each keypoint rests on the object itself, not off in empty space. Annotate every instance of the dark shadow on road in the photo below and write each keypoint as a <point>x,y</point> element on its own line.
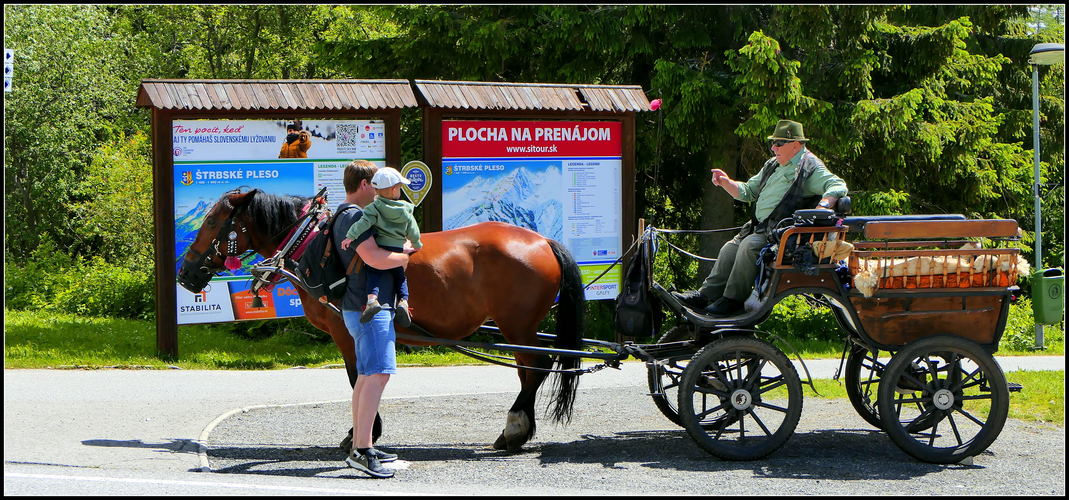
<point>174,445</point>
<point>843,454</point>
<point>310,460</point>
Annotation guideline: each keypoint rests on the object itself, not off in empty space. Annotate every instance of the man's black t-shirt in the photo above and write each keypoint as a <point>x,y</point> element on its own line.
<point>356,295</point>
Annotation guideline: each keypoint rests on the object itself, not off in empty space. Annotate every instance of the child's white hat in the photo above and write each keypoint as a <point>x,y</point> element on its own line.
<point>387,177</point>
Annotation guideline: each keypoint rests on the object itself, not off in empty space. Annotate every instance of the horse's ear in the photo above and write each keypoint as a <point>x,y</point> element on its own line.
<point>239,200</point>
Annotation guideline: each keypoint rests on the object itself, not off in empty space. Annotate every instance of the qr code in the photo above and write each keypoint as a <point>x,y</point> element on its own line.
<point>347,133</point>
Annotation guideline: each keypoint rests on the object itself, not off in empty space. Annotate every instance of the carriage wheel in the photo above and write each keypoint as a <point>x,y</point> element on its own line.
<point>663,379</point>
<point>963,397</point>
<point>863,372</point>
<point>740,398</point>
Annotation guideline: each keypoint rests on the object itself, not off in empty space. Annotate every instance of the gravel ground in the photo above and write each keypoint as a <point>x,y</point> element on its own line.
<point>617,443</point>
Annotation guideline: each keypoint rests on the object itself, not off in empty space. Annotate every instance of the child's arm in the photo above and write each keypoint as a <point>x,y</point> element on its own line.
<point>359,227</point>
<point>413,233</point>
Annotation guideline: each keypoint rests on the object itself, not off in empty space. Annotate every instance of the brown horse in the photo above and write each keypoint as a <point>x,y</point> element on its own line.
<point>458,280</point>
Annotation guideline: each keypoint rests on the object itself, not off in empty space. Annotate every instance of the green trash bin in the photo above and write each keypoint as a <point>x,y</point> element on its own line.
<point>1048,296</point>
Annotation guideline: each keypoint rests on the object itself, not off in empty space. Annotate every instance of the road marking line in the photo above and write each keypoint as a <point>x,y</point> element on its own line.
<point>206,483</point>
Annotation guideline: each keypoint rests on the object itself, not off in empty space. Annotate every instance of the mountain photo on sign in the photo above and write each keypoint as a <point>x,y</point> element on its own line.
<point>526,194</point>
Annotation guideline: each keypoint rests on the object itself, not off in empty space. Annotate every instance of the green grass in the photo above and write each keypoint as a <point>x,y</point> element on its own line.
<point>57,340</point>
<point>1042,398</point>
<point>52,340</point>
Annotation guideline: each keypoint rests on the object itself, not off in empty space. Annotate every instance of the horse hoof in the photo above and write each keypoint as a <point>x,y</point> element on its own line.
<point>500,444</point>
<point>510,445</point>
<point>516,443</point>
<point>347,443</point>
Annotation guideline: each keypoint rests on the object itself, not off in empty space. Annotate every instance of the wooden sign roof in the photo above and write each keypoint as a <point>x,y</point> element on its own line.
<point>533,96</point>
<point>342,95</point>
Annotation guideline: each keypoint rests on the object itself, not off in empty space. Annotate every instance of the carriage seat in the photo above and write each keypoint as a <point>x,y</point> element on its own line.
<point>857,222</point>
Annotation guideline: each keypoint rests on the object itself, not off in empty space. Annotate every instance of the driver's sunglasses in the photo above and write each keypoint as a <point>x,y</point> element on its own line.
<point>779,144</point>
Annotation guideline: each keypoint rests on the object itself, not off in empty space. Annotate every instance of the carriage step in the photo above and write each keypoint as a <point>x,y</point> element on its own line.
<point>1014,386</point>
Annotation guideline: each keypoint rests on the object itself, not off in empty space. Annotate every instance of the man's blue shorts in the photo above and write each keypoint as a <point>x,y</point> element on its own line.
<point>375,342</point>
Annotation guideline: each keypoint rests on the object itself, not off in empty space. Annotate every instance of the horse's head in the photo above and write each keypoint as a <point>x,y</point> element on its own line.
<point>221,241</point>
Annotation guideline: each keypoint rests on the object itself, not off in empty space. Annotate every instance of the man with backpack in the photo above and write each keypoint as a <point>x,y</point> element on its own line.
<point>375,340</point>
<point>789,181</point>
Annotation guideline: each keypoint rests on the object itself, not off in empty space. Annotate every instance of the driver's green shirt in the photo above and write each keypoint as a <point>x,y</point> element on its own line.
<point>822,182</point>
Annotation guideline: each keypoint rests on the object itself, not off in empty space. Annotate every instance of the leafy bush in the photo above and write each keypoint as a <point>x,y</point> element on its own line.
<point>1020,333</point>
<point>98,288</point>
<point>54,281</point>
<point>116,208</point>
<point>795,317</point>
<point>31,285</point>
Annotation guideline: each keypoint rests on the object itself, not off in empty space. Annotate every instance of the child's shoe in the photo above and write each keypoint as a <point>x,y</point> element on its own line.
<point>401,317</point>
<point>373,307</point>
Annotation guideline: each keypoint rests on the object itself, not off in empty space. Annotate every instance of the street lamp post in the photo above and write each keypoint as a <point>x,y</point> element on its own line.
<point>1042,54</point>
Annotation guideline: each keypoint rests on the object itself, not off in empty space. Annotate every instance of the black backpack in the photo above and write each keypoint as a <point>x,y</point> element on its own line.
<point>321,266</point>
<point>637,312</point>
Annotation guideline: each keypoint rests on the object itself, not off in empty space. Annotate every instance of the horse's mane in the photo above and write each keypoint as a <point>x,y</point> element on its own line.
<point>273,214</point>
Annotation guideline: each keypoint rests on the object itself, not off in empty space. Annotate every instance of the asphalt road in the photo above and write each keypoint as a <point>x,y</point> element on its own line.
<point>144,432</point>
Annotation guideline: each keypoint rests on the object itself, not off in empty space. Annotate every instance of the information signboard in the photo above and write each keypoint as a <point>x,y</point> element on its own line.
<point>558,178</point>
<point>212,157</point>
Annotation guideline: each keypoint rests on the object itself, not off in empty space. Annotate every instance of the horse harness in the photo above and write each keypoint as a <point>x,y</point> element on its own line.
<point>292,245</point>
<point>200,269</point>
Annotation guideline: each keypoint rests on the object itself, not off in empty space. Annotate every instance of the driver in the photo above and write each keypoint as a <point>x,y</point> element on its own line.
<point>787,182</point>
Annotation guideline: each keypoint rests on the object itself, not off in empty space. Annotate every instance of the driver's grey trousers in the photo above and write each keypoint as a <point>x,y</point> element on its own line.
<point>735,269</point>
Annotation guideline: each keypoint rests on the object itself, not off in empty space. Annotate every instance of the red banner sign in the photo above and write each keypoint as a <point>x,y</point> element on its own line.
<point>530,139</point>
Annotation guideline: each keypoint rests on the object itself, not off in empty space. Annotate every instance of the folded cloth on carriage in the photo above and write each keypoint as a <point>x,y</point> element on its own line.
<point>836,250</point>
<point>943,264</point>
<point>870,272</point>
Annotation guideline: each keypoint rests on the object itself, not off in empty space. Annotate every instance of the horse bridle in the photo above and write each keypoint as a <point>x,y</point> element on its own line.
<point>200,272</point>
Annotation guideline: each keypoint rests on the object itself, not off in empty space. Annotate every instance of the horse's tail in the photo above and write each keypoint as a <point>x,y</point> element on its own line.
<point>570,311</point>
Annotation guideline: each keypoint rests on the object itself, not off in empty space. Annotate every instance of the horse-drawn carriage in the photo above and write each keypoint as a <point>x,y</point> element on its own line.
<point>915,287</point>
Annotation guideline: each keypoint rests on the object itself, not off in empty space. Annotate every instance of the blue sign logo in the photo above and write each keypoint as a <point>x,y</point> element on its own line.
<point>418,178</point>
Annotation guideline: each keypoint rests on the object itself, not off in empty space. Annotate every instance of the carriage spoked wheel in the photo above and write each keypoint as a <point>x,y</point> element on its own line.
<point>740,398</point>
<point>863,372</point>
<point>663,378</point>
<point>962,394</point>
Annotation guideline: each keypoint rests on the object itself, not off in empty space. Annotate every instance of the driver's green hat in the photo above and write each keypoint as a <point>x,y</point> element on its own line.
<point>787,130</point>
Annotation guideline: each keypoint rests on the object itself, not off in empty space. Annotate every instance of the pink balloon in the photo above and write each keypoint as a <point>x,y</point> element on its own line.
<point>655,105</point>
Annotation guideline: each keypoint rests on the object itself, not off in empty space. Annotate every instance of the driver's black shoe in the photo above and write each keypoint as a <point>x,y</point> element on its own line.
<point>692,299</point>
<point>724,306</point>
